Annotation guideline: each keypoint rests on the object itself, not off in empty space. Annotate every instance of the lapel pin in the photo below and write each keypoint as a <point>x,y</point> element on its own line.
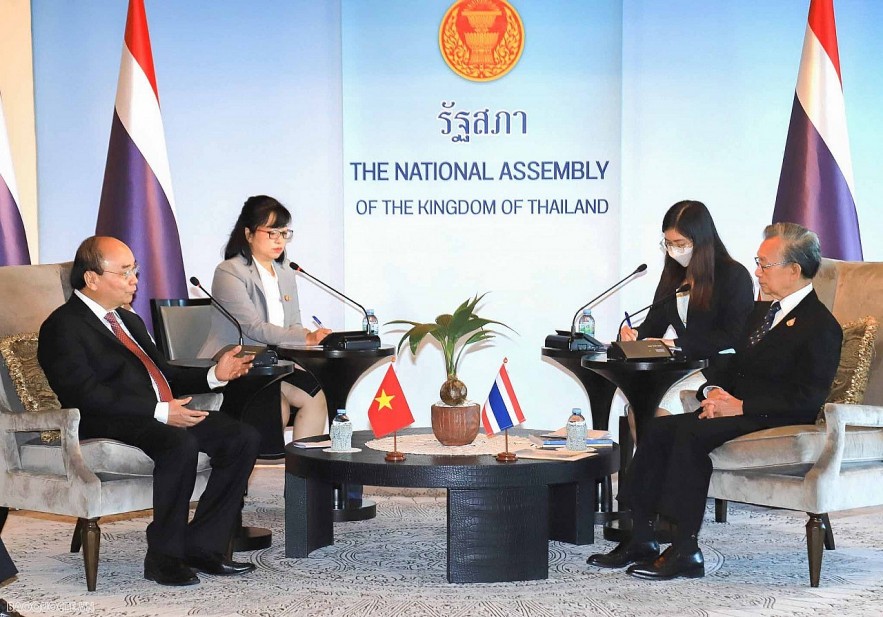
<point>287,298</point>
<point>791,322</point>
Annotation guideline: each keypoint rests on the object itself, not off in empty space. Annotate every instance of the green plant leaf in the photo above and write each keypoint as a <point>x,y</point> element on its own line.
<point>455,332</point>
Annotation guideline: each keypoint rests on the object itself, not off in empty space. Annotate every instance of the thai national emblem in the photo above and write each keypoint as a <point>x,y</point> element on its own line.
<point>481,40</point>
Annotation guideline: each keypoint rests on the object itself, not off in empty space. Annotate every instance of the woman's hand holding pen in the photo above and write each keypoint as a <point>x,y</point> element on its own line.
<point>315,337</point>
<point>628,334</point>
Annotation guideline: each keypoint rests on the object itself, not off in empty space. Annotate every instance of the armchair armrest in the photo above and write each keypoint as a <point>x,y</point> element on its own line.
<point>67,421</point>
<point>826,471</point>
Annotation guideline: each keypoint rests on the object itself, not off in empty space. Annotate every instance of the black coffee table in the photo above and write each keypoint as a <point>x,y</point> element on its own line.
<point>501,516</point>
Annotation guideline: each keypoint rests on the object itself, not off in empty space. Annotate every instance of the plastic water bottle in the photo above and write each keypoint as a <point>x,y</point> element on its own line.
<point>586,323</point>
<point>576,430</point>
<point>370,323</point>
<point>341,432</point>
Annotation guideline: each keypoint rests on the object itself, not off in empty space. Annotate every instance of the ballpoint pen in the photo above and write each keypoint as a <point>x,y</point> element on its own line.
<point>628,320</point>
<point>317,322</point>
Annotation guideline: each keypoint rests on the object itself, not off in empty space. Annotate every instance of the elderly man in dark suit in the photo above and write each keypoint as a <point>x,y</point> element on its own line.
<point>780,375</point>
<point>99,357</point>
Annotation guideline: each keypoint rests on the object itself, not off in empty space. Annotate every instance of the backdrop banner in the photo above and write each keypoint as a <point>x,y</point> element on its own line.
<point>482,153</point>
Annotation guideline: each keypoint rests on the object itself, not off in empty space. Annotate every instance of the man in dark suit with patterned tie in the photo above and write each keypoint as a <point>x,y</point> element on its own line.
<point>99,358</point>
<point>780,375</point>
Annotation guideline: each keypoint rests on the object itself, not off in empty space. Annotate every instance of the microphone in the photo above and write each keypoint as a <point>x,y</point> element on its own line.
<point>682,289</point>
<point>262,355</point>
<point>297,268</point>
<point>352,339</point>
<point>637,270</point>
<point>195,282</point>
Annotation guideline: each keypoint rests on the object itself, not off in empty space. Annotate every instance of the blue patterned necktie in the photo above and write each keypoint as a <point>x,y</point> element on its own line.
<point>765,325</point>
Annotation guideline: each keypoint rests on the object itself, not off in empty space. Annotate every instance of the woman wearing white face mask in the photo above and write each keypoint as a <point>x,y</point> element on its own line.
<point>707,319</point>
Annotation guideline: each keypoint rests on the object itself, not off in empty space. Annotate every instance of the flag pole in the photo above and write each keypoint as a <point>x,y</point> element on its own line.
<point>506,456</point>
<point>395,456</point>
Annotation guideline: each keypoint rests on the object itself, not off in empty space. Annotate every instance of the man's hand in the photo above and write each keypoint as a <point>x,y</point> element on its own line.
<point>314,338</point>
<point>230,367</point>
<point>720,403</point>
<point>628,334</point>
<point>182,417</point>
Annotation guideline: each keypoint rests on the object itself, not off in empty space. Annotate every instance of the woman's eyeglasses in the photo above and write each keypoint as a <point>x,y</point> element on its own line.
<point>677,246</point>
<point>275,234</point>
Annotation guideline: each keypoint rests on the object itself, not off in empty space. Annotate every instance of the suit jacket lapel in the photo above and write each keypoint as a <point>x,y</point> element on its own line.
<point>91,319</point>
<point>781,328</point>
<point>289,294</point>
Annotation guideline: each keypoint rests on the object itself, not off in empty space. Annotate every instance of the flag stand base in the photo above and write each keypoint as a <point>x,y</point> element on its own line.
<point>395,456</point>
<point>506,456</point>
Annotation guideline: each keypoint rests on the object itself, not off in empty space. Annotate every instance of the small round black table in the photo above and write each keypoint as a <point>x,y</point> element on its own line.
<point>337,371</point>
<point>249,390</point>
<point>600,392</point>
<point>599,389</point>
<point>501,516</point>
<point>643,384</point>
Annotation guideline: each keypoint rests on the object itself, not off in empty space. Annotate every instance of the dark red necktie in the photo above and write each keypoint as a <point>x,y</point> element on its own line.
<point>165,392</point>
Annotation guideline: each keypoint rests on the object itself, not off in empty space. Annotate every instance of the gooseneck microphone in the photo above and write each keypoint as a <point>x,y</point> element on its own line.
<point>262,355</point>
<point>336,292</point>
<point>637,270</point>
<point>666,298</point>
<point>195,282</point>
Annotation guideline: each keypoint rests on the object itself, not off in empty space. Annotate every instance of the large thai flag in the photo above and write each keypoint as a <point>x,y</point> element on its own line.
<point>137,204</point>
<point>501,411</point>
<point>13,242</point>
<point>816,187</point>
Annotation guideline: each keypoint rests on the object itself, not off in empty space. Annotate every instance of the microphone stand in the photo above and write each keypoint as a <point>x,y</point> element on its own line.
<point>357,339</point>
<point>637,270</point>
<point>300,270</point>
<point>262,355</point>
<point>682,289</point>
<point>195,282</point>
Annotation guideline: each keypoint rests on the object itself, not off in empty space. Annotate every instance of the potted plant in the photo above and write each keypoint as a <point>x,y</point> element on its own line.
<point>455,421</point>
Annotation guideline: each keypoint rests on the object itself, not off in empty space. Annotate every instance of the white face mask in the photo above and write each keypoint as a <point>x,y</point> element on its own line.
<point>682,256</point>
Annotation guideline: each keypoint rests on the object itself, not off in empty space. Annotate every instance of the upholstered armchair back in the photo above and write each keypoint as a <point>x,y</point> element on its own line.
<point>30,294</point>
<point>854,289</point>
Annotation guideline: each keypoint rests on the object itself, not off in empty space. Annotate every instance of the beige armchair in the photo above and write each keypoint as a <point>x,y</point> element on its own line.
<point>822,468</point>
<point>59,474</point>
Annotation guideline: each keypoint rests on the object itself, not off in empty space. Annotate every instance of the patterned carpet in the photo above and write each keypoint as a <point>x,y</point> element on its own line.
<point>394,565</point>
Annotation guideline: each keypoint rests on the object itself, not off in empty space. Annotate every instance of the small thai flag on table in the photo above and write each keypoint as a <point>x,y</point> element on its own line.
<point>501,411</point>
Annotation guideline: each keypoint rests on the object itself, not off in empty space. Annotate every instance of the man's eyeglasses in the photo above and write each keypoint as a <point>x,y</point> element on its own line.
<point>768,266</point>
<point>126,274</point>
<point>274,234</point>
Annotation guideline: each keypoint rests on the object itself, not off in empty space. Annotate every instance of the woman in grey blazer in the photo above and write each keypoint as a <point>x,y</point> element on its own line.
<point>256,284</point>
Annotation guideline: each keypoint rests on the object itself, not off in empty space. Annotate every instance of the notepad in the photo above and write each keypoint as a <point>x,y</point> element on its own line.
<point>554,455</point>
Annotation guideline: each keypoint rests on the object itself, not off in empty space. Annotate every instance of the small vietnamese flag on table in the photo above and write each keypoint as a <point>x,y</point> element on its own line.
<point>389,411</point>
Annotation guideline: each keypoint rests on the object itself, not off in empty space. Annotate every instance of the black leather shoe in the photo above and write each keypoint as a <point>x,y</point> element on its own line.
<point>168,571</point>
<point>625,553</point>
<point>671,564</point>
<point>5,611</point>
<point>219,566</point>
